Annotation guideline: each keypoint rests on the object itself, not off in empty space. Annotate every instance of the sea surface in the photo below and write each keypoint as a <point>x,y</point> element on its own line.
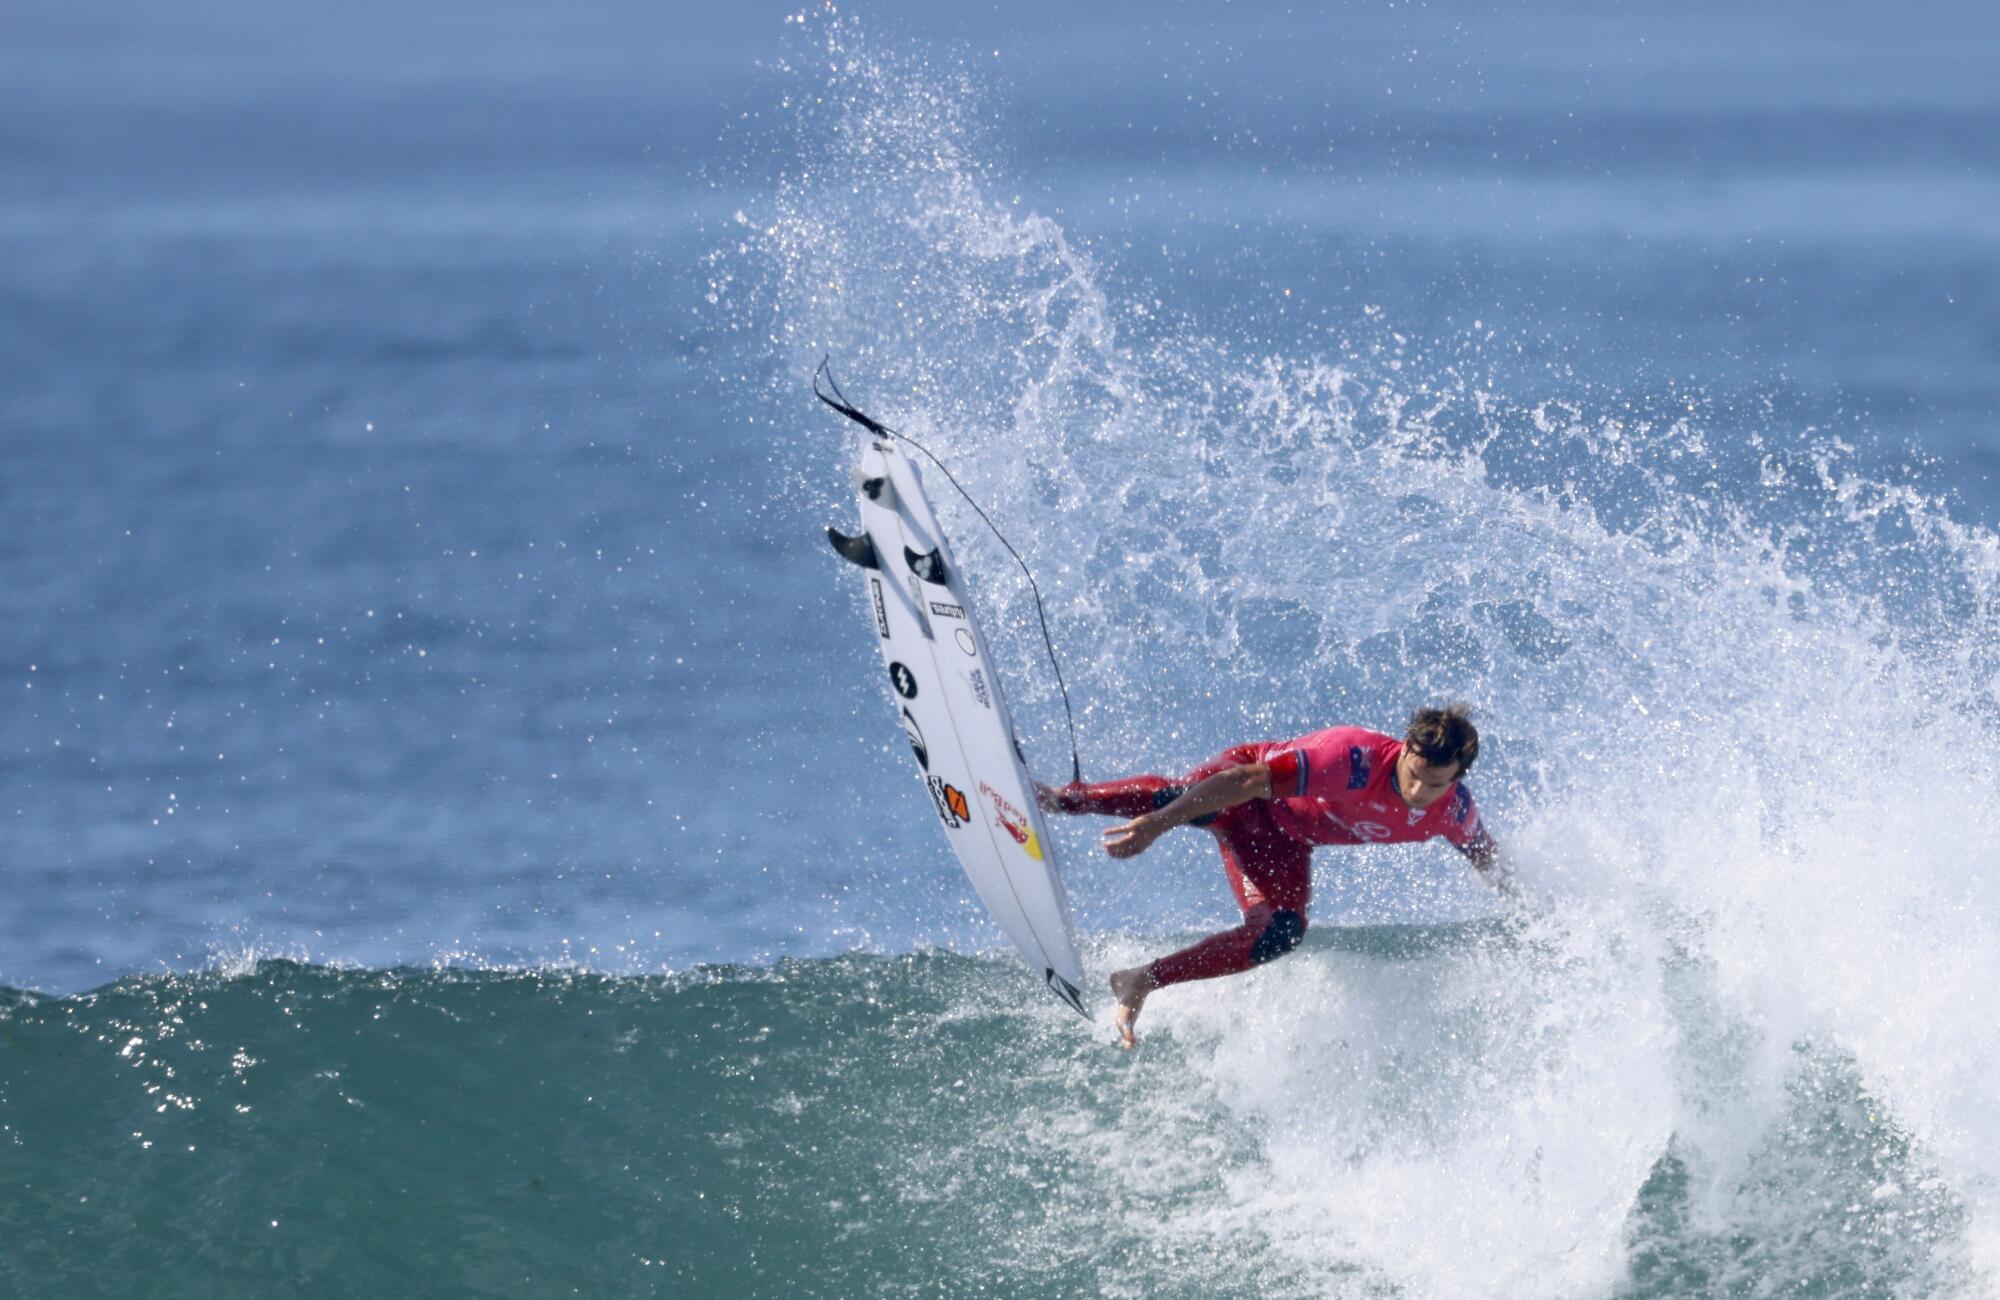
<point>453,835</point>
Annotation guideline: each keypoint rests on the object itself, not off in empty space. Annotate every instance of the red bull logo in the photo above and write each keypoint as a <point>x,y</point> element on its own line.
<point>1013,821</point>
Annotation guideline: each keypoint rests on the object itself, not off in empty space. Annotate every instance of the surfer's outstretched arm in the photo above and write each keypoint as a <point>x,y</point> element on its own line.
<point>1206,797</point>
<point>1484,855</point>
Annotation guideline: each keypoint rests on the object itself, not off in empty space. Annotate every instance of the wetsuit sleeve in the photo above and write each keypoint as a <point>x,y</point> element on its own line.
<point>1289,768</point>
<point>1463,827</point>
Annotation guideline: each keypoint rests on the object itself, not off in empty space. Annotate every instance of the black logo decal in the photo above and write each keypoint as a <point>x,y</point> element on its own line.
<point>952,808</point>
<point>1065,990</point>
<point>917,745</point>
<point>947,610</point>
<point>881,608</point>
<point>903,680</point>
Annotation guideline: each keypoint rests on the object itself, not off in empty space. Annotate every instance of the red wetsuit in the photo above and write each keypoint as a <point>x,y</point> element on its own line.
<point>1331,787</point>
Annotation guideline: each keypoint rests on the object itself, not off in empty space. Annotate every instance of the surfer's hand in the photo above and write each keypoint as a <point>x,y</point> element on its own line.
<point>1132,838</point>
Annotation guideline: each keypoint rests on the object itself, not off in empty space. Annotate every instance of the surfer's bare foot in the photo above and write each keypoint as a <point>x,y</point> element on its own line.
<point>1130,987</point>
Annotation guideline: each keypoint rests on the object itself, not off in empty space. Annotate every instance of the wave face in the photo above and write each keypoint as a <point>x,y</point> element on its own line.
<point>1740,691</point>
<point>1401,1111</point>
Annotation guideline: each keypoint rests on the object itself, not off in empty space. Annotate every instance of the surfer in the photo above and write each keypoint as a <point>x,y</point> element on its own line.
<point>1268,804</point>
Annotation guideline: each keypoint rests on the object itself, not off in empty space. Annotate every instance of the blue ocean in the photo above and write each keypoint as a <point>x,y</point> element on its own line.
<point>454,837</point>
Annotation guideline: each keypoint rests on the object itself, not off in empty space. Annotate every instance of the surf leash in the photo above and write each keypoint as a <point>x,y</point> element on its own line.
<point>838,401</point>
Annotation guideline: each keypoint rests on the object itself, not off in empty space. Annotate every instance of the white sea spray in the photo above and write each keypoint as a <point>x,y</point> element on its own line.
<point>1739,700</point>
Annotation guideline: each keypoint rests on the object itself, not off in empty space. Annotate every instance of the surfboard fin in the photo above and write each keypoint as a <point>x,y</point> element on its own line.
<point>929,566</point>
<point>875,487</point>
<point>855,550</point>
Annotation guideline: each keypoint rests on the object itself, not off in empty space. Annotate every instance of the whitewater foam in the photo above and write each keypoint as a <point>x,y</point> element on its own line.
<point>1739,700</point>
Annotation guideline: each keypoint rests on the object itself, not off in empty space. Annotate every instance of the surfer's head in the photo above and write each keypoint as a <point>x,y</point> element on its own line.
<point>1438,746</point>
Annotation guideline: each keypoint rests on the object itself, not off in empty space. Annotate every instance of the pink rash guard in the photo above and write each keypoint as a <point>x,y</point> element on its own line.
<point>1337,786</point>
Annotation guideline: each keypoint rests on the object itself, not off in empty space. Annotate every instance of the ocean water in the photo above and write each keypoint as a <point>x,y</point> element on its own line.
<point>453,835</point>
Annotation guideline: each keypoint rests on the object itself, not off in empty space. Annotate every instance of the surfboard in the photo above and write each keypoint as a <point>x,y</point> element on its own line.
<point>948,700</point>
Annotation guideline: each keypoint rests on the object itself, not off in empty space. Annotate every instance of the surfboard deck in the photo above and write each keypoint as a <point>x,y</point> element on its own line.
<point>955,717</point>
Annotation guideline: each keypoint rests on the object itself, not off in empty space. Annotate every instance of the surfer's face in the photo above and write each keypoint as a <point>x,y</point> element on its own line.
<point>1422,784</point>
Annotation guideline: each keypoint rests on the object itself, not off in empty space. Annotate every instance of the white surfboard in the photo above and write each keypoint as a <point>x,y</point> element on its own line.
<point>948,699</point>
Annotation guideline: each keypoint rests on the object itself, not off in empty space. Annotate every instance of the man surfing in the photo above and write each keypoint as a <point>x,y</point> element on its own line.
<point>1268,805</point>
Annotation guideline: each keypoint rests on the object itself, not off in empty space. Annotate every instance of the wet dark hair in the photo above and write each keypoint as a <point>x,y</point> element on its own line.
<point>1444,736</point>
